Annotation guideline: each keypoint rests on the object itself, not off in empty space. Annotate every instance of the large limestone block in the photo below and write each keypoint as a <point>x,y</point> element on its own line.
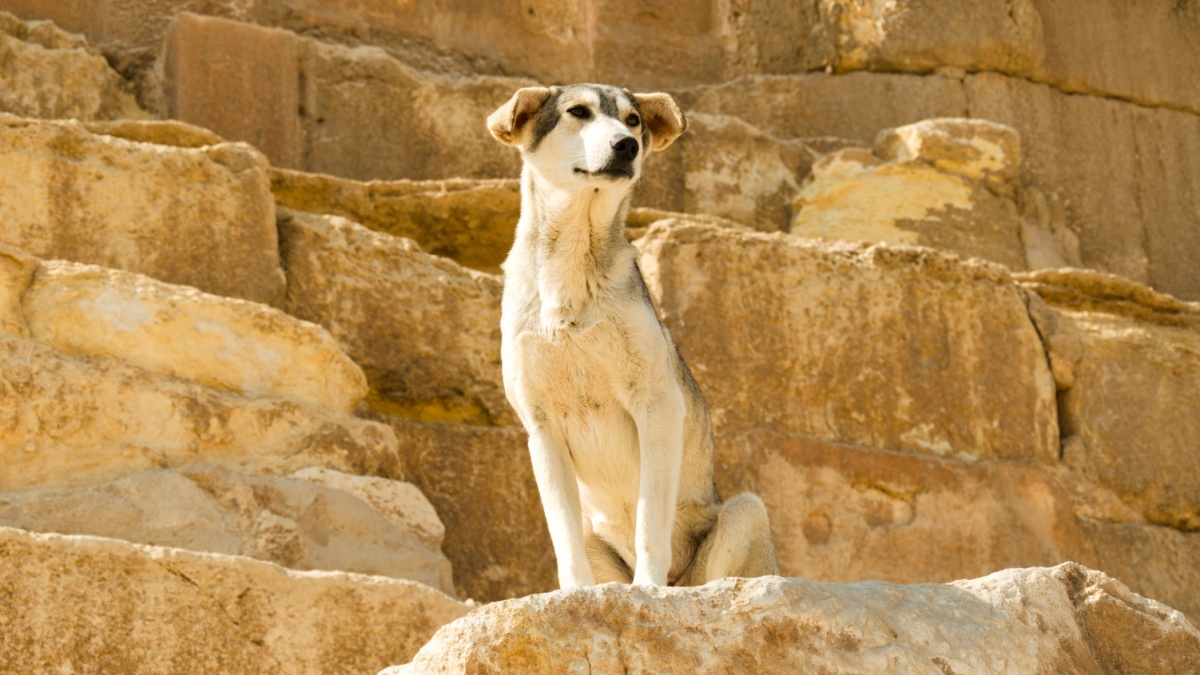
<point>204,507</point>
<point>469,221</point>
<point>1161,559</point>
<point>68,421</point>
<point>1041,620</point>
<point>202,217</point>
<point>47,72</point>
<point>83,604</point>
<point>481,482</point>
<point>225,343</point>
<point>320,104</point>
<point>939,198</point>
<point>425,330</point>
<point>1128,175</point>
<point>899,348</point>
<point>1127,363</point>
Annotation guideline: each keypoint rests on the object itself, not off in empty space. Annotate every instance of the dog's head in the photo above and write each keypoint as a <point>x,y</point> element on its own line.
<point>587,134</point>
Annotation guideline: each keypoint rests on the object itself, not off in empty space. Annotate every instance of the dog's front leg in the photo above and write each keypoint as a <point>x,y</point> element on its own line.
<point>660,436</point>
<point>560,501</point>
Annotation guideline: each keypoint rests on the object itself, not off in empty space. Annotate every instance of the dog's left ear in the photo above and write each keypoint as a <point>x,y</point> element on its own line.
<point>508,121</point>
<point>663,118</point>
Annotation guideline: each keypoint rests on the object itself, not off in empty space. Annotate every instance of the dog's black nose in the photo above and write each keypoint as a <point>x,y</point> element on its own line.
<point>625,147</point>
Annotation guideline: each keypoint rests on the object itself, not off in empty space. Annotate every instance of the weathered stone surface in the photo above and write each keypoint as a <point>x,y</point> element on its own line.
<point>47,72</point>
<point>898,348</point>
<point>350,99</point>
<point>425,330</point>
<point>399,502</point>
<point>1127,174</point>
<point>1062,619</point>
<point>1161,559</point>
<point>68,421</point>
<point>481,482</point>
<point>853,195</point>
<point>202,217</point>
<point>725,167</point>
<point>82,604</point>
<point>204,507</point>
<point>1127,362</point>
<point>469,221</point>
<point>225,343</point>
<point>974,149</point>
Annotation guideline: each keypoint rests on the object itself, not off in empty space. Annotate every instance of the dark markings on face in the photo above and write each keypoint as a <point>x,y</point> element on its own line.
<point>546,118</point>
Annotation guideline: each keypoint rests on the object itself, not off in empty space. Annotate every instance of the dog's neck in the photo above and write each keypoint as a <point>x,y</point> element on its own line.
<point>575,237</point>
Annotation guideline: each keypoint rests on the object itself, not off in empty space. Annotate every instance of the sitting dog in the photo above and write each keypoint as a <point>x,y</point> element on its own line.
<point>619,433</point>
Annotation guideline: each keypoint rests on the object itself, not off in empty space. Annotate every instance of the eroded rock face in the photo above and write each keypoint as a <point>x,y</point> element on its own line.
<point>204,507</point>
<point>47,72</point>
<point>229,344</point>
<point>425,330</point>
<point>1041,620</point>
<point>898,348</point>
<point>82,603</point>
<point>1127,361</point>
<point>69,421</point>
<point>201,216</point>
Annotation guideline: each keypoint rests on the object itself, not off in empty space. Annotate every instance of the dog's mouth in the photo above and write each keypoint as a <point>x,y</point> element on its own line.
<point>610,172</point>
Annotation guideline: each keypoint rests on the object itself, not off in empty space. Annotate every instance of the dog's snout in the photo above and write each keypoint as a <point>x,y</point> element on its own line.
<point>625,147</point>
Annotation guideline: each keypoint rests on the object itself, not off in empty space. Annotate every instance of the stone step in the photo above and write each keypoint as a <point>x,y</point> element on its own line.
<point>336,522</point>
<point>1061,619</point>
<point>84,604</point>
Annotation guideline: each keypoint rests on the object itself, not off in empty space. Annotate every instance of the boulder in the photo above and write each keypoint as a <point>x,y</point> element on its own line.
<point>481,482</point>
<point>890,347</point>
<point>200,216</point>
<point>469,221</point>
<point>47,72</point>
<point>69,421</point>
<point>204,507</point>
<point>425,330</point>
<point>82,604</point>
<point>225,343</point>
<point>1127,360</point>
<point>1039,620</point>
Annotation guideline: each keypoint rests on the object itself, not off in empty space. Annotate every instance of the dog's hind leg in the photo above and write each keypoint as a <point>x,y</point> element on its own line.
<point>739,544</point>
<point>606,563</point>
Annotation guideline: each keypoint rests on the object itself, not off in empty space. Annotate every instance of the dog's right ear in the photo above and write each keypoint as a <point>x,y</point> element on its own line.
<point>507,123</point>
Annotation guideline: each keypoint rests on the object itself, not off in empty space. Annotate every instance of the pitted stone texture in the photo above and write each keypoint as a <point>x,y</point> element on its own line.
<point>225,343</point>
<point>68,421</point>
<point>1040,620</point>
<point>201,216</point>
<point>900,348</point>
<point>425,330</point>
<point>83,604</point>
<point>207,508</point>
<point>47,72</point>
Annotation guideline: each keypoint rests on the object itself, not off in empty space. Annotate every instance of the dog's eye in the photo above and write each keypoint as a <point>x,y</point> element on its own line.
<point>632,120</point>
<point>580,111</point>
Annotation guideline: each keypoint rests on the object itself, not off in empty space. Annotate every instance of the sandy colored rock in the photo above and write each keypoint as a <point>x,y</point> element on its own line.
<point>399,502</point>
<point>1162,559</point>
<point>898,348</point>
<point>204,507</point>
<point>481,482</point>
<point>425,330</point>
<point>202,217</point>
<point>852,195</point>
<point>1126,174</point>
<point>68,421</point>
<point>1129,362</point>
<point>225,343</point>
<point>469,221</point>
<point>84,604</point>
<point>974,149</point>
<point>1040,620</point>
<point>16,275</point>
<point>47,72</point>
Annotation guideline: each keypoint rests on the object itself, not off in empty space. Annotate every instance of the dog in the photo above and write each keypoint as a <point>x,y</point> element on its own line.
<point>620,435</point>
